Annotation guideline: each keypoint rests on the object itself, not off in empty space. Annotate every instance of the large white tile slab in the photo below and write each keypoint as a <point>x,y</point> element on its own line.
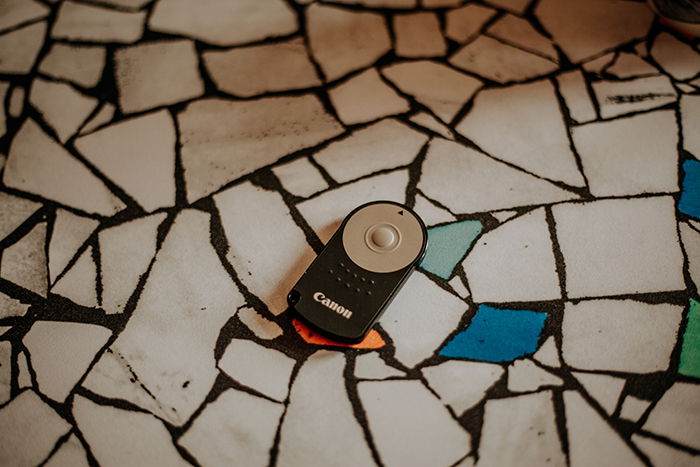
<point>462,384</point>
<point>81,22</point>
<point>675,57</point>
<point>518,31</point>
<point>68,233</point>
<point>300,177</point>
<point>61,106</point>
<point>19,49</point>
<point>605,389</point>
<point>418,35</point>
<point>79,283</point>
<point>70,454</point>
<point>622,97</point>
<point>14,211</point>
<point>464,23</point>
<point>16,12</point>
<point>690,121</point>
<point>675,415</point>
<point>81,65</point>
<point>572,86</point>
<point>258,324</point>
<point>24,263</point>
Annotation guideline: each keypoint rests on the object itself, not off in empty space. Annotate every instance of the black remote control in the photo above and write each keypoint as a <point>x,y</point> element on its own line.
<point>352,281</point>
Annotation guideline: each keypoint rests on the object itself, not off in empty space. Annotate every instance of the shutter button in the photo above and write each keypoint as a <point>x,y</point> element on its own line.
<point>382,238</point>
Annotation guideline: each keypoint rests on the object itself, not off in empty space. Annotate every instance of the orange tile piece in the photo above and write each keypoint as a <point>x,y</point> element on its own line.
<point>373,340</point>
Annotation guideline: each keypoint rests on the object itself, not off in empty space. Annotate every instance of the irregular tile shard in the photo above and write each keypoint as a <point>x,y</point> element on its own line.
<point>663,454</point>
<point>515,6</point>
<point>459,287</point>
<point>101,117</point>
<point>300,177</point>
<point>365,97</point>
<point>14,211</point>
<point>689,364</point>
<point>165,362</point>
<point>604,389</point>
<point>690,119</point>
<point>137,154</point>
<point>82,65</point>
<point>24,377</point>
<point>500,62</point>
<point>29,429</point>
<point>464,23</point>
<point>689,202</point>
<point>16,12</point>
<point>430,213</point>
<point>461,385</point>
<point>357,154</point>
<point>61,106</point>
<point>157,73</point>
<point>19,49</point>
<point>519,32</point>
<point>271,275</point>
<point>342,41</point>
<point>583,30</point>
<point>525,376</point>
<point>628,65</point>
<point>258,324</point>
<point>103,427</point>
<point>24,263</point>
<point>373,340</point>
<point>79,283</point>
<point>466,181</point>
<point>417,334</point>
<point>636,239</point>
<point>81,22</point>
<point>622,97</point>
<point>623,157</point>
<point>497,335</point>
<point>259,69</point>
<point>530,114</point>
<point>126,251</point>
<point>439,87</point>
<point>598,64</point>
<point>225,23</point>
<point>39,165</point>
<point>527,425</point>
<point>619,335</point>
<point>675,415</point>
<point>5,371</point>
<point>428,434</point>
<point>69,232</point>
<point>431,123</point>
<point>548,354</point>
<point>71,453</point>
<point>16,102</point>
<point>572,86</point>
<point>675,57</point>
<point>61,353</point>
<point>318,393</point>
<point>11,307</point>
<point>224,140</point>
<point>418,35</point>
<point>514,262</point>
<point>371,366</point>
<point>447,245</point>
<point>236,428</point>
<point>633,408</point>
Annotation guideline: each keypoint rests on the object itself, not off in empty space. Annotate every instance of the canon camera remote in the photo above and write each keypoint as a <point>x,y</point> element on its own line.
<point>353,280</point>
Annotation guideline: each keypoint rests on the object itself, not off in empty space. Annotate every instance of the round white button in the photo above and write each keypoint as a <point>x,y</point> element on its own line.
<point>383,237</point>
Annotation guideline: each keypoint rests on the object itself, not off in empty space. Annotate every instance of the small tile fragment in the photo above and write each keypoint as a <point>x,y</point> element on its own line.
<point>300,177</point>
<point>461,384</point>
<point>447,245</point>
<point>24,263</point>
<point>258,324</point>
<point>103,116</point>
<point>690,238</point>
<point>365,97</point>
<point>61,353</point>
<point>5,371</point>
<point>79,283</point>
<point>633,408</point>
<point>236,428</point>
<point>157,73</point>
<point>357,154</point>
<point>690,119</point>
<point>418,35</point>
<point>503,216</point>
<point>373,340</point>
<point>68,233</point>
<point>617,98</point>
<point>11,307</point>
<point>61,106</point>
<point>464,23</point>
<point>428,435</point>
<point>515,6</point>
<point>459,287</point>
<point>16,102</point>
<point>675,415</point>
<point>497,335</point>
<point>572,86</point>
<point>81,22</point>
<point>371,366</point>
<point>81,65</point>
<point>690,352</point>
<point>19,48</point>
<point>430,213</point>
<point>24,377</point>
<point>628,65</point>
<point>677,58</point>
<point>342,40</point>
<point>14,211</point>
<point>548,354</point>
<point>598,64</point>
<point>605,389</point>
<point>431,123</point>
<point>662,454</point>
<point>71,453</point>
<point>267,371</point>
<point>525,376</point>
<point>518,31</point>
<point>16,12</point>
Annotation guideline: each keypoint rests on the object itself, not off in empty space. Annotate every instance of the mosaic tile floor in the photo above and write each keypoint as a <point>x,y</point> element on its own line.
<point>171,167</point>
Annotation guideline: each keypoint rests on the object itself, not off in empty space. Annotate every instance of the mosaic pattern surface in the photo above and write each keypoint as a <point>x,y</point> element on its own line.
<point>170,168</point>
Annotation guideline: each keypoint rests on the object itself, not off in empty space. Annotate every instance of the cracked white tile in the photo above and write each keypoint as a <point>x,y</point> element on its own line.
<point>622,97</point>
<point>24,263</point>
<point>258,324</point>
<point>371,366</point>
<point>690,119</point>
<point>548,354</point>
<point>430,213</point>
<point>604,389</point>
<point>61,106</point>
<point>675,57</point>
<point>102,117</point>
<point>462,384</point>
<point>429,122</point>
<point>518,31</point>
<point>81,22</point>
<point>463,24</point>
<point>14,211</point>
<point>572,86</point>
<point>633,408</point>
<point>675,415</point>
<point>418,35</point>
<point>300,177</point>
<point>525,376</point>
<point>16,12</point>
<point>628,65</point>
<point>71,453</point>
<point>81,65</point>
<point>19,48</point>
<point>69,232</point>
<point>79,283</point>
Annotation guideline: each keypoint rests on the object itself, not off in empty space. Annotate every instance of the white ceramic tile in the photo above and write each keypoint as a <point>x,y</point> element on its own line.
<point>29,429</point>
<point>439,87</point>
<point>18,49</point>
<point>24,263</point>
<point>619,335</point>
<point>343,41</point>
<point>500,62</point>
<point>68,234</point>
<point>630,156</point>
<point>268,371</point>
<point>635,239</point>
<point>256,134</point>
<point>81,22</point>
<point>16,102</point>
<point>663,454</point>
<point>462,384</point>
<point>105,427</point>
<point>16,12</point>
<point>415,333</point>
<point>503,216</point>
<point>430,213</point>
<point>604,389</point>
<point>537,137</point>
<point>158,73</point>
<point>5,371</point>
<point>259,69</point>
<point>467,181</point>
<point>572,86</point>
<point>418,35</point>
<point>268,268</point>
<point>548,354</point>
<point>82,65</point>
<point>61,106</point>
<point>79,282</point>
<point>259,325</point>
<point>37,164</point>
<point>371,366</point>
<point>11,307</point>
<point>24,377</point>
<point>600,25</point>
<point>633,408</point>
<point>429,122</point>
<point>525,376</point>
<point>428,435</point>
<point>622,97</point>
<point>61,352</point>
<point>171,354</point>
<point>516,6</point>
<point>71,453</point>
<point>586,429</point>
<point>235,429</point>
<point>381,3</point>
<point>14,211</point>
<point>518,31</point>
<point>319,424</point>
<point>365,97</point>
<point>463,24</point>
<point>675,57</point>
<point>324,212</point>
<point>675,415</point>
<point>527,426</point>
<point>384,145</point>
<point>126,251</point>
<point>514,262</point>
<point>690,119</point>
<point>459,287</point>
<point>691,245</point>
<point>300,177</point>
<point>628,65</point>
<point>221,22</point>
<point>101,117</point>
